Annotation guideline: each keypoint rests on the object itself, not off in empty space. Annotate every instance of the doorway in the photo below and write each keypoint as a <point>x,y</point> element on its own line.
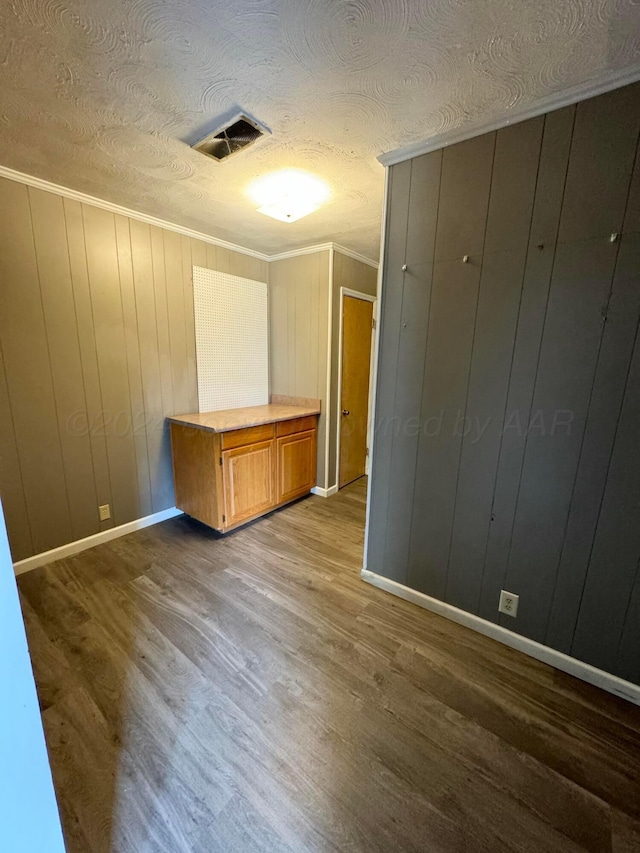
<point>354,415</point>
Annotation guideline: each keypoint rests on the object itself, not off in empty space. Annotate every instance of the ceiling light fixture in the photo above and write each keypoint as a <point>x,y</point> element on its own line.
<point>289,195</point>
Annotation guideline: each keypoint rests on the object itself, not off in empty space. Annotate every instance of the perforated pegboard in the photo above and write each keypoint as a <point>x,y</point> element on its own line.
<point>232,347</point>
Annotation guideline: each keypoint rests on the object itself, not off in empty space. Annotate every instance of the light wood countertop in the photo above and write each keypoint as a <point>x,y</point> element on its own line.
<point>248,416</point>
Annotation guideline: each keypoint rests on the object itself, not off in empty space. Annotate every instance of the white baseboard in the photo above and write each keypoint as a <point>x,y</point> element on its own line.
<point>45,557</point>
<point>578,668</point>
<point>324,493</point>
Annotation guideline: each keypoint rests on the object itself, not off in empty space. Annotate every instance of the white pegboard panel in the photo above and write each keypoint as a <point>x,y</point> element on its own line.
<point>232,344</point>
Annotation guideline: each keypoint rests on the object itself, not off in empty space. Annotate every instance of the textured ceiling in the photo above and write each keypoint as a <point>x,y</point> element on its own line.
<point>103,96</point>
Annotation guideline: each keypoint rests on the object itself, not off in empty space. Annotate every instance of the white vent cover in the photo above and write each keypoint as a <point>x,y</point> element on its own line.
<point>232,345</point>
<point>240,132</point>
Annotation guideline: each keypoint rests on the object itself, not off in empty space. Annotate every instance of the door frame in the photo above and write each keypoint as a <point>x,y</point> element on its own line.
<point>367,297</point>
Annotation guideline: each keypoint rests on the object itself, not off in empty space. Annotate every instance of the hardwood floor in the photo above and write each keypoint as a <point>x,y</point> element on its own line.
<point>252,693</point>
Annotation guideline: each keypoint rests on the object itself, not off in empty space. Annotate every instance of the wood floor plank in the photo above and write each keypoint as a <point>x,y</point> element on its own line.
<point>249,693</point>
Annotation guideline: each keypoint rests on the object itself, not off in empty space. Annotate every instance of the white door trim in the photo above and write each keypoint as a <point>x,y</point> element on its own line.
<point>366,297</point>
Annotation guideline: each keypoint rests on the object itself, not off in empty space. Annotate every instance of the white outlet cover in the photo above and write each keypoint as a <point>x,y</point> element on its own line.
<point>508,603</point>
<point>104,512</point>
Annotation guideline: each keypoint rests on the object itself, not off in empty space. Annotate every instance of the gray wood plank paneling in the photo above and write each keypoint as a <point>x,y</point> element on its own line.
<point>515,168</point>
<point>604,411</point>
<point>87,343</point>
<point>104,281</point>
<point>11,486</point>
<point>627,663</point>
<point>149,358</point>
<point>464,197</point>
<point>136,420</point>
<point>416,298</point>
<point>211,259</point>
<point>298,335</point>
<point>292,341</point>
<point>602,155</point>
<point>573,330</point>
<point>303,366</point>
<point>278,333</point>
<point>454,299</point>
<point>325,344</point>
<point>50,239</point>
<point>198,253</point>
<point>162,320</point>
<point>189,323</point>
<point>424,201</point>
<point>544,227</point>
<point>517,509</point>
<point>551,182</point>
<point>176,318</point>
<point>616,549</point>
<point>83,373</point>
<point>495,329</point>
<point>632,213</point>
<point>389,318</point>
<point>28,373</point>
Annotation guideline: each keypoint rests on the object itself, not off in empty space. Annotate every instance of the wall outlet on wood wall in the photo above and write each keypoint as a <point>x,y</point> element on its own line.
<point>104,512</point>
<point>508,603</point>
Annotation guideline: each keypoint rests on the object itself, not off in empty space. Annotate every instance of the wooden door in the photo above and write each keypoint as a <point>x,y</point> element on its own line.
<point>296,459</point>
<point>249,481</point>
<point>357,317</point>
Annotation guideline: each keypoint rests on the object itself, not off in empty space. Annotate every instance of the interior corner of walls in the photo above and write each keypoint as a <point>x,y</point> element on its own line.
<point>323,492</point>
<point>565,663</point>
<point>79,545</point>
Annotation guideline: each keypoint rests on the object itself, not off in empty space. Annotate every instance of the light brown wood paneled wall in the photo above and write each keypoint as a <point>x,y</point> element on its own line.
<point>298,327</point>
<point>96,346</point>
<point>355,275</point>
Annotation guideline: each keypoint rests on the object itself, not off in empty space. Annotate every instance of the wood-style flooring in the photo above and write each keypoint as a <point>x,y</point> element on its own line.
<point>251,693</point>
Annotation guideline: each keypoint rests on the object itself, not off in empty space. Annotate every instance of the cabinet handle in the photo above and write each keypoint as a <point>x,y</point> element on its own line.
<point>346,412</point>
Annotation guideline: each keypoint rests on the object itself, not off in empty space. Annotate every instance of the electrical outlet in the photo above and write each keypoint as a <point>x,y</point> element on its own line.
<point>508,603</point>
<point>104,512</point>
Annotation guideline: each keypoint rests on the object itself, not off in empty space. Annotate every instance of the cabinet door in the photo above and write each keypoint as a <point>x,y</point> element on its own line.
<point>296,465</point>
<point>249,481</point>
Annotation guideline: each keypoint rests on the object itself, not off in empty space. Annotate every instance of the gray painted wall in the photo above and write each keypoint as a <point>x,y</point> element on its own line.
<point>96,346</point>
<point>506,451</point>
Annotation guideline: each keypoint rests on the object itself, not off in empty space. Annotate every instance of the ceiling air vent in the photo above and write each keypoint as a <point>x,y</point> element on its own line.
<point>233,137</point>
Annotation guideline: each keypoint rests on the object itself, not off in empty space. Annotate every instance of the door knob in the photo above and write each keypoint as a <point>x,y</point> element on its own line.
<point>346,412</point>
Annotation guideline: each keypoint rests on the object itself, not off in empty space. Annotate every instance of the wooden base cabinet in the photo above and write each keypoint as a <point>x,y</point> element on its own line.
<point>249,488</point>
<point>226,479</point>
<point>296,459</point>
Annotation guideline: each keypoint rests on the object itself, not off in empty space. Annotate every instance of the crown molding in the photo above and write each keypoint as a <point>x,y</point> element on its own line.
<point>355,255</point>
<point>324,247</point>
<point>305,250</point>
<point>588,89</point>
<point>84,198</point>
